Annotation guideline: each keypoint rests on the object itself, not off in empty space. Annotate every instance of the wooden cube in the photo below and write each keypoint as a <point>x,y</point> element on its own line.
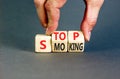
<point>75,41</point>
<point>59,41</point>
<point>42,43</point>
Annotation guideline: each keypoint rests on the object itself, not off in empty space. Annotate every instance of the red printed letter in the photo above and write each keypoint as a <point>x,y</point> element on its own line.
<point>55,35</point>
<point>43,45</point>
<point>75,35</point>
<point>62,37</point>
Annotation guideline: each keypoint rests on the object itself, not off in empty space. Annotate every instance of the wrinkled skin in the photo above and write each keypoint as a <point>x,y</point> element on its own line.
<point>49,14</point>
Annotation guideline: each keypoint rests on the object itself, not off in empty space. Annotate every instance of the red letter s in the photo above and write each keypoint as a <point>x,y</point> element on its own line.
<point>42,43</point>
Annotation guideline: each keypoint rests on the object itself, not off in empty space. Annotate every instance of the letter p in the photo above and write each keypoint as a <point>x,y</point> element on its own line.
<point>75,35</point>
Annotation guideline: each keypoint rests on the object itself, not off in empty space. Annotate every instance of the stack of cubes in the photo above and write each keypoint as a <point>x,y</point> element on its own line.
<point>60,41</point>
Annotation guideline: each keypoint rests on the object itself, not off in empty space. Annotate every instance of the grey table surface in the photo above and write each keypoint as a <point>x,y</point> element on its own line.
<point>19,24</point>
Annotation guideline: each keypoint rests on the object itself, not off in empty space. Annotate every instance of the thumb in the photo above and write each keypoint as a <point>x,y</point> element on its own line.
<point>90,18</point>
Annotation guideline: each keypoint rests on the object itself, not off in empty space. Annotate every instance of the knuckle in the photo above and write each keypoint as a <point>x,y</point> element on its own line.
<point>48,5</point>
<point>38,2</point>
<point>54,4</point>
<point>91,22</point>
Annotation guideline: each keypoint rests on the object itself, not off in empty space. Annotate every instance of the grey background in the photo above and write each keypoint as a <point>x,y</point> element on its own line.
<point>19,24</point>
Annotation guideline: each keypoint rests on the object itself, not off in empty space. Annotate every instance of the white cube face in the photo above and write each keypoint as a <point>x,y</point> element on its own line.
<point>75,36</point>
<point>75,41</point>
<point>42,43</point>
<point>59,41</point>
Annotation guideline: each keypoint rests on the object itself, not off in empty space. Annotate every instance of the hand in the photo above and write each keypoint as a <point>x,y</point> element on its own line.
<point>49,13</point>
<point>90,16</point>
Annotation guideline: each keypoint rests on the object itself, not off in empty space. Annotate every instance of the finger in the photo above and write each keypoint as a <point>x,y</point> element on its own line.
<point>41,11</point>
<point>90,19</point>
<point>53,14</point>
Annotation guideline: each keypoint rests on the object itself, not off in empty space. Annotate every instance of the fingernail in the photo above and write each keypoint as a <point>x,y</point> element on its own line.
<point>88,36</point>
<point>47,31</point>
